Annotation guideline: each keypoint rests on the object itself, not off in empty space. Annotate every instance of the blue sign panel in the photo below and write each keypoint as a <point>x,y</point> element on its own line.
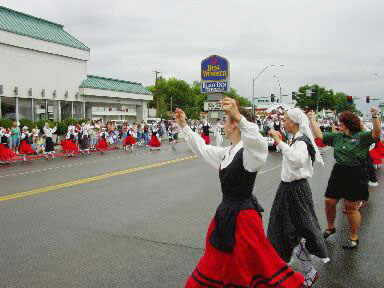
<point>214,68</point>
<point>207,87</point>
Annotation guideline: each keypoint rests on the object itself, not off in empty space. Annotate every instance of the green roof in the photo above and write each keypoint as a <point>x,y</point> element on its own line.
<point>97,82</point>
<point>30,26</point>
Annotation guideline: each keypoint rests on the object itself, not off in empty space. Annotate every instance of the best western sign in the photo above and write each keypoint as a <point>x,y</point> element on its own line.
<point>214,75</point>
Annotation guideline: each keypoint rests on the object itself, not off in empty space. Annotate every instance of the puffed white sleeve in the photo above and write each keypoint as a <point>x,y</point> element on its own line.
<point>255,146</point>
<point>212,155</point>
<point>54,130</point>
<point>296,155</point>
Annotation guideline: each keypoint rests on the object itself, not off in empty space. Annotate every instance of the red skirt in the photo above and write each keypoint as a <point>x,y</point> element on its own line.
<point>69,146</point>
<point>319,143</point>
<point>6,154</point>
<point>206,138</point>
<point>377,153</point>
<point>129,140</point>
<point>25,148</point>
<point>102,144</point>
<point>154,141</point>
<point>252,263</point>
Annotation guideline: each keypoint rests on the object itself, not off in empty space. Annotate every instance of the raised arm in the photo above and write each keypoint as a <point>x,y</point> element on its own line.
<point>255,145</point>
<point>212,155</point>
<point>315,126</point>
<point>376,132</point>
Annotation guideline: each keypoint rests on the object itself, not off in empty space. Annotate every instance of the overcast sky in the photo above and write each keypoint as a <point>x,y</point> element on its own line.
<point>336,44</point>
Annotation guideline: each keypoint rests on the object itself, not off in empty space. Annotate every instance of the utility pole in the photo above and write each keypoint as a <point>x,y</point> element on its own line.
<point>157,94</point>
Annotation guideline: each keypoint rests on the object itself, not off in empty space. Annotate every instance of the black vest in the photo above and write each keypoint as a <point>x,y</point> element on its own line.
<point>236,186</point>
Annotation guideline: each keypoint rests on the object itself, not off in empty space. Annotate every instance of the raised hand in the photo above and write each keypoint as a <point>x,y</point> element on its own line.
<point>180,118</point>
<point>229,107</point>
<point>311,116</point>
<point>373,111</point>
<point>276,135</point>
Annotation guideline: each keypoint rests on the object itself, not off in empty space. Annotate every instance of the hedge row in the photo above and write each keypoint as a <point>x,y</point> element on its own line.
<point>61,125</point>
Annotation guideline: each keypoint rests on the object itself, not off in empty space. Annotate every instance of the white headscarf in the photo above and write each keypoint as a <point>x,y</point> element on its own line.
<point>299,117</point>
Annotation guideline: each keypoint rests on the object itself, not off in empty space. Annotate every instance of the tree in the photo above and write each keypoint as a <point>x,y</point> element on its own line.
<point>243,102</point>
<point>320,98</point>
<point>342,103</point>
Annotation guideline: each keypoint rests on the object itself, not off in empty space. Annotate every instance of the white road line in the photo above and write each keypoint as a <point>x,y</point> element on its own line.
<point>262,172</point>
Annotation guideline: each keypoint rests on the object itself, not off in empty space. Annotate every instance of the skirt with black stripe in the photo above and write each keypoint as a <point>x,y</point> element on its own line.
<point>252,263</point>
<point>293,218</point>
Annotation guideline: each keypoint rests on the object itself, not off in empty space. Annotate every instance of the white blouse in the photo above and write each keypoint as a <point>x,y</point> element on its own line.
<point>49,131</point>
<point>297,163</point>
<point>255,148</point>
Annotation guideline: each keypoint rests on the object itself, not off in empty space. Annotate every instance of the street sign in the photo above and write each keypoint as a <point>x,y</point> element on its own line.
<point>210,87</point>
<point>212,106</point>
<point>214,74</point>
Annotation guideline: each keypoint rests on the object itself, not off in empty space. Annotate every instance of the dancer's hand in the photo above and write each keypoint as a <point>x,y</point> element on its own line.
<point>229,107</point>
<point>276,135</point>
<point>180,118</point>
<point>311,116</point>
<point>373,111</point>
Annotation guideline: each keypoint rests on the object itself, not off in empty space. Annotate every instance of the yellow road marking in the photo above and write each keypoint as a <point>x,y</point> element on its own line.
<point>91,179</point>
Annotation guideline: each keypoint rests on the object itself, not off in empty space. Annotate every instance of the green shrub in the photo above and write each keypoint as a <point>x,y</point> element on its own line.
<point>6,123</point>
<point>41,123</point>
<point>69,121</point>
<point>61,128</point>
<point>26,122</point>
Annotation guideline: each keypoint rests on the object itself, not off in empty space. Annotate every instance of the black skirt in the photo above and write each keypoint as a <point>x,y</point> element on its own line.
<point>84,144</point>
<point>293,218</point>
<point>348,182</point>
<point>49,145</point>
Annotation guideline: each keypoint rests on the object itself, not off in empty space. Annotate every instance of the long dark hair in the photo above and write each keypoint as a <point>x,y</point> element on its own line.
<point>351,121</point>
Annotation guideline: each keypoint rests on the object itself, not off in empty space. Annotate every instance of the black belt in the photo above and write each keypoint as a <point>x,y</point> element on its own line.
<point>223,236</point>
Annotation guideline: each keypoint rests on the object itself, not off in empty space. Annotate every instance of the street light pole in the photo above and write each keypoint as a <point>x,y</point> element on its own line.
<point>253,85</point>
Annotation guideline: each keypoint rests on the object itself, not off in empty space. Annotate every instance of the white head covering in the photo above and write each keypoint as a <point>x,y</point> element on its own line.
<point>299,117</point>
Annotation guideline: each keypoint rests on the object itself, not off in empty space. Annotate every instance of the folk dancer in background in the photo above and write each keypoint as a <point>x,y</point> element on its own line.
<point>293,229</point>
<point>49,150</point>
<point>25,146</point>
<point>102,143</point>
<point>84,141</point>
<point>69,146</point>
<point>349,177</point>
<point>129,141</point>
<point>217,132</point>
<point>205,132</point>
<point>154,143</point>
<point>237,253</point>
<point>6,154</point>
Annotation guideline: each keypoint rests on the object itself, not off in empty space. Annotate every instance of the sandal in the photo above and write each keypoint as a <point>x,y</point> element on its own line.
<point>328,232</point>
<point>351,244</point>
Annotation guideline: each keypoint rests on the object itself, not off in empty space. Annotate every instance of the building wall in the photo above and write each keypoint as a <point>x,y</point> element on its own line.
<point>25,69</point>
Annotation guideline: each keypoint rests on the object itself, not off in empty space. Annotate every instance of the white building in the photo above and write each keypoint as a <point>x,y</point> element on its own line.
<point>43,75</point>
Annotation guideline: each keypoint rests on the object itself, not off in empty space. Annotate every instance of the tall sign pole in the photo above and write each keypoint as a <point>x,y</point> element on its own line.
<point>214,82</point>
<point>157,94</point>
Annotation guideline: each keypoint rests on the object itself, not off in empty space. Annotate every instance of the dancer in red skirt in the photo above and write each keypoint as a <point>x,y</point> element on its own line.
<point>154,144</point>
<point>205,133</point>
<point>102,144</point>
<point>237,252</point>
<point>69,145</point>
<point>6,154</point>
<point>129,141</point>
<point>25,148</point>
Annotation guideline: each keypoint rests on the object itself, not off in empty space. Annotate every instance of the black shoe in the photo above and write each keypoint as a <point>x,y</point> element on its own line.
<point>351,244</point>
<point>328,232</point>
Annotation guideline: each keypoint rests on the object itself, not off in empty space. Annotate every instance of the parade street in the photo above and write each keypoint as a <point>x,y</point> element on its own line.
<point>139,219</point>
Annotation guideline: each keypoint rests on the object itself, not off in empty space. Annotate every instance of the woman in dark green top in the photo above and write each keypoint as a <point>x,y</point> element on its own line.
<point>349,177</point>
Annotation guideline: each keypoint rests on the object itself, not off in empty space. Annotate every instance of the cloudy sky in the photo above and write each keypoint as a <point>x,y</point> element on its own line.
<point>336,44</point>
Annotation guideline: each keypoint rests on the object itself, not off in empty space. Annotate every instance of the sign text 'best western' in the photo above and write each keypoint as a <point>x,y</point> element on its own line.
<point>214,74</point>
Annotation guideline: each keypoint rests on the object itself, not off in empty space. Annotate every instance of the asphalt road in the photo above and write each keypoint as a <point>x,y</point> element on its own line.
<point>138,219</point>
